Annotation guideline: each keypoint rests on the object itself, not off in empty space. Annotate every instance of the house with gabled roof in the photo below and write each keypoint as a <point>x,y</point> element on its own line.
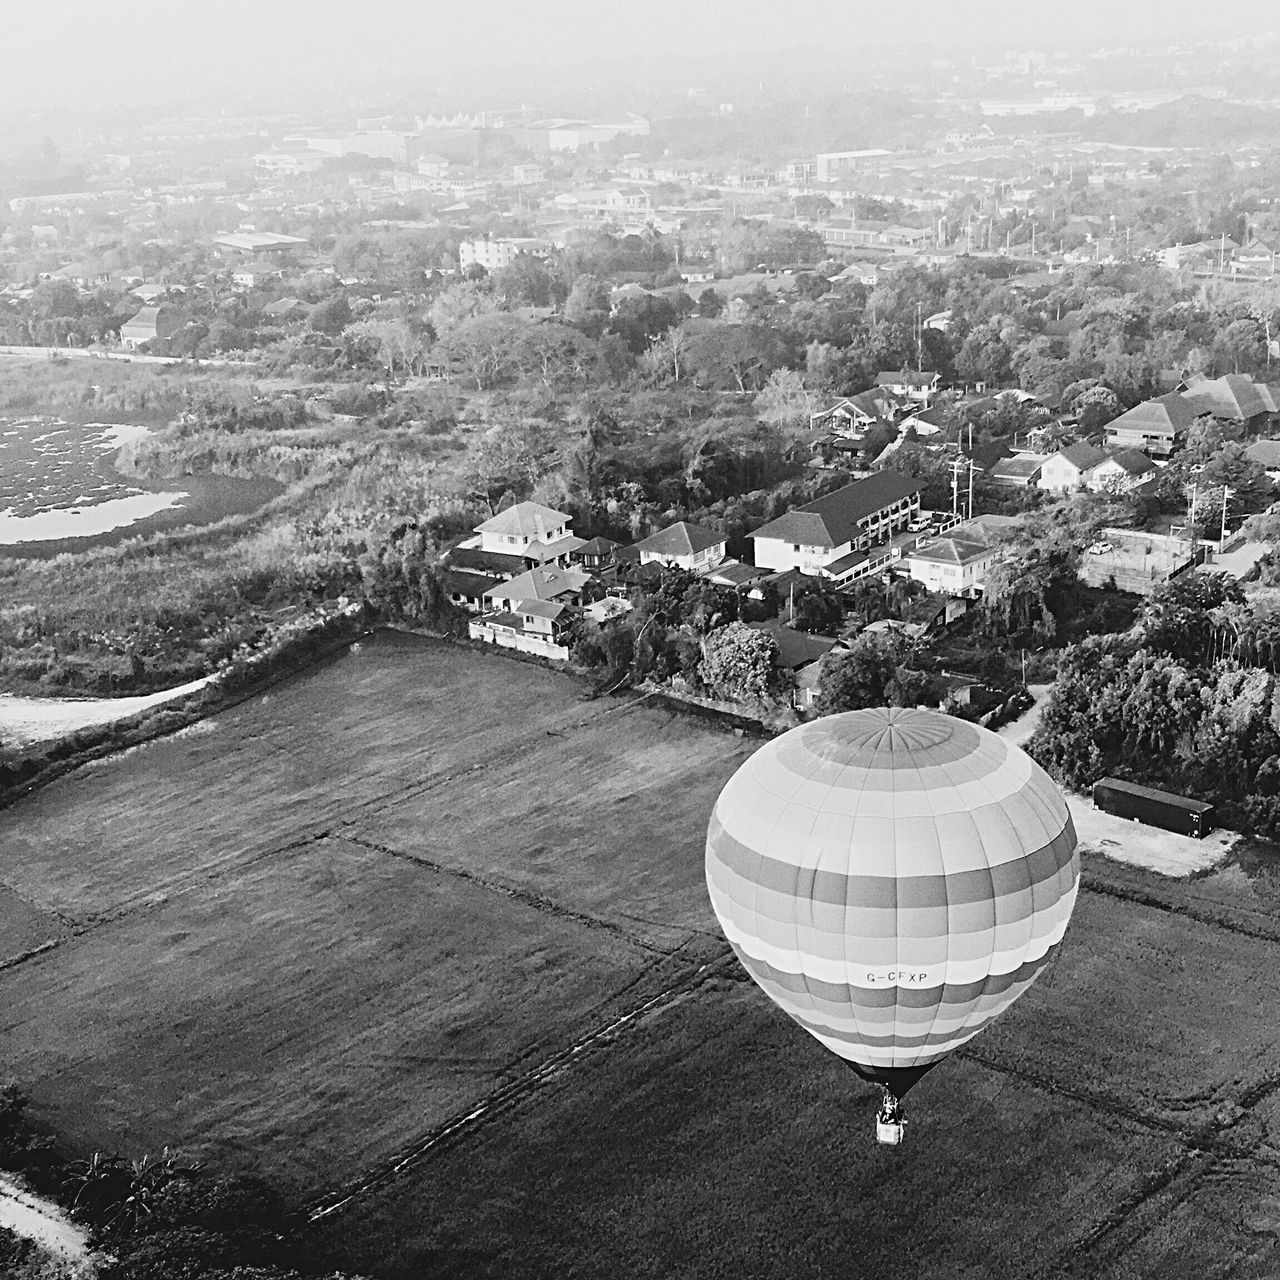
<point>532,626</point>
<point>686,546</point>
<point>532,612</point>
<point>559,586</point>
<point>148,324</point>
<point>926,422</point>
<point>854,414</point>
<point>1070,468</point>
<point>833,536</point>
<point>918,386</point>
<point>1122,472</point>
<point>1021,471</point>
<point>1157,427</point>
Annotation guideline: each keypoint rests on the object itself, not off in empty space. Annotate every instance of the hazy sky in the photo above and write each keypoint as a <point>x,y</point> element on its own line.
<point>75,52</point>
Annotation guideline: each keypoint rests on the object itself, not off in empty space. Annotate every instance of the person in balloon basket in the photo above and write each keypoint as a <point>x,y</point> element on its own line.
<point>890,1110</point>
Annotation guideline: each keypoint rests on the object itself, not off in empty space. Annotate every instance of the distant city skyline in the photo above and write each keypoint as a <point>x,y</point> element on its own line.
<point>81,54</point>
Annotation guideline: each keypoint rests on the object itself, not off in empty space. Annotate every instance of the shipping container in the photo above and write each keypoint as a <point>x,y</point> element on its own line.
<point>1155,808</point>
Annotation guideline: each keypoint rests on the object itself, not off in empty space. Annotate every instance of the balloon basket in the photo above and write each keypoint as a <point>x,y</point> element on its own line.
<point>889,1134</point>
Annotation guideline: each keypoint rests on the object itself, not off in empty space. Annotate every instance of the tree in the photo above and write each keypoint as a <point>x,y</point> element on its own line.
<point>785,402</point>
<point>856,678</point>
<point>587,306</point>
<point>330,316</point>
<point>818,607</point>
<point>1095,408</point>
<point>741,663</point>
<point>485,347</point>
<point>640,320</point>
<point>459,303</point>
<point>1178,618</point>
<point>740,356</point>
<point>552,352</point>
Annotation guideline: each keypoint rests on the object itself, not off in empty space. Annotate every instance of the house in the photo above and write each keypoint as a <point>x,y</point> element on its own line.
<point>1256,257</point>
<point>952,565</point>
<point>739,576</point>
<point>989,530</point>
<point>532,626</point>
<point>148,324</point>
<point>558,586</point>
<point>834,535</point>
<point>1205,254</point>
<point>1235,397</point>
<point>284,308</point>
<point>494,253</point>
<point>1157,427</point>
<point>926,422</point>
<point>914,385</point>
<point>1122,472</point>
<point>855,414</point>
<point>1022,471</point>
<point>1069,469</point>
<point>469,572</point>
<point>253,274</point>
<point>801,654</point>
<point>1266,453</point>
<point>150,292</point>
<point>528,529</point>
<point>684,545</point>
<point>467,588</point>
<point>596,555</point>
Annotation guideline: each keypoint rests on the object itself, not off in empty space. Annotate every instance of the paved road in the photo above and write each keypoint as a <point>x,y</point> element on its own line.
<point>1238,562</point>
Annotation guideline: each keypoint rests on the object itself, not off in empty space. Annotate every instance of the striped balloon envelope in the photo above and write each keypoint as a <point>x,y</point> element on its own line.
<point>894,880</point>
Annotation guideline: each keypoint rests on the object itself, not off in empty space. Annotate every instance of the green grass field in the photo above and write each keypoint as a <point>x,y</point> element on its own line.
<point>423,934</point>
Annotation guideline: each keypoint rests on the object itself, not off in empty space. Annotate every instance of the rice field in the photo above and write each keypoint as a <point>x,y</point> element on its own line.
<point>423,935</point>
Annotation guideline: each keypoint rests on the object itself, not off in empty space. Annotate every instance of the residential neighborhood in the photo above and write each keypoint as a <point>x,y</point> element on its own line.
<point>569,574</point>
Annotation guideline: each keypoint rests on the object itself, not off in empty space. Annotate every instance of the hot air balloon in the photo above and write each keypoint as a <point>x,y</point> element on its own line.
<point>894,880</point>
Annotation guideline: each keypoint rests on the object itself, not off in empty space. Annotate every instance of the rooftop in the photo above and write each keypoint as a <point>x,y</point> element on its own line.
<point>833,520</point>
<point>681,539</point>
<point>950,551</point>
<point>525,519</point>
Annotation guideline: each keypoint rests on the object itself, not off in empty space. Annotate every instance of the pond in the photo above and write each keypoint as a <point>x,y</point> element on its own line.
<point>59,490</point>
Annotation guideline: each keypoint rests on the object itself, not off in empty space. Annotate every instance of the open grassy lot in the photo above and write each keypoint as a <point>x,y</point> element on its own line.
<point>723,1144</point>
<point>427,927</point>
<point>299,1010</point>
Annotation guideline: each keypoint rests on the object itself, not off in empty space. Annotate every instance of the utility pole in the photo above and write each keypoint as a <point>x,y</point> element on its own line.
<point>1222,537</point>
<point>970,514</point>
<point>956,464</point>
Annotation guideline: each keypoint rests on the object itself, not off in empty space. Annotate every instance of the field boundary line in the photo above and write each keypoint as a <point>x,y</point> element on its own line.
<point>1145,898</point>
<point>524,896</point>
<point>1146,1120</point>
<point>510,1095</point>
<point>1189,1166</point>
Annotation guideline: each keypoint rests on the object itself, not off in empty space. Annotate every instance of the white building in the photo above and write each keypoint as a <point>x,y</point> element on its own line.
<point>684,545</point>
<point>493,254</point>
<point>954,566</point>
<point>528,529</point>
<point>835,536</point>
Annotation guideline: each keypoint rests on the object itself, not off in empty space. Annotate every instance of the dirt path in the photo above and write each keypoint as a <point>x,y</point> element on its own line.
<point>35,1218</point>
<point>27,720</point>
<point>1019,730</point>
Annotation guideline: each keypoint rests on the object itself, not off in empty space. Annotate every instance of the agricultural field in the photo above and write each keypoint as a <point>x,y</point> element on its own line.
<point>423,935</point>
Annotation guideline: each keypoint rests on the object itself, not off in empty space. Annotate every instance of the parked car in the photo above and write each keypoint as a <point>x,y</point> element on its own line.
<point>1100,548</point>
